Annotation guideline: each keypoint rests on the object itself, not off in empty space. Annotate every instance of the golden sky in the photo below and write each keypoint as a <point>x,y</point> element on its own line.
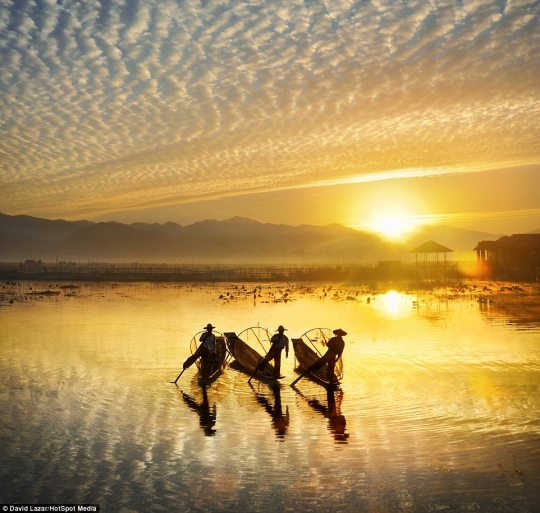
<point>282,111</point>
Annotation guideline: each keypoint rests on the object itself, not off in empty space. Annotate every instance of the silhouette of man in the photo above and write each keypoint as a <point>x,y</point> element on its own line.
<point>208,345</point>
<point>279,342</point>
<point>335,347</point>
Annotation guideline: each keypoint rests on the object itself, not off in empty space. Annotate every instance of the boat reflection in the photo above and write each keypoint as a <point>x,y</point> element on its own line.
<point>207,414</point>
<point>280,420</point>
<point>337,423</point>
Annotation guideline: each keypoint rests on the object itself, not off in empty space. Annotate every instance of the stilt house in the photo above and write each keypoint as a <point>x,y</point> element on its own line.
<point>521,250</point>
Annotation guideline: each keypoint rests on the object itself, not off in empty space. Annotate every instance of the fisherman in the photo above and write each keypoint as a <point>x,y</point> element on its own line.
<point>279,342</point>
<point>208,345</point>
<point>334,350</point>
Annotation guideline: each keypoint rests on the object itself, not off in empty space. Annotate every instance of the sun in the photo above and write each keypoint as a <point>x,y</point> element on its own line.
<point>393,226</point>
<point>392,214</point>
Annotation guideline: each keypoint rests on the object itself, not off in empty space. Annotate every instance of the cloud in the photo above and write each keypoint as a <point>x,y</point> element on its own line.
<point>137,103</point>
<point>457,217</point>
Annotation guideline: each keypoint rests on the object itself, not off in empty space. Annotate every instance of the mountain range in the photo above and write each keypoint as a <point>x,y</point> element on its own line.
<point>235,240</point>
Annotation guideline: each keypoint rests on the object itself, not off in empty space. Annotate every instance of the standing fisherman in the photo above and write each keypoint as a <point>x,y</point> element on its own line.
<point>333,353</point>
<point>279,342</point>
<point>208,344</point>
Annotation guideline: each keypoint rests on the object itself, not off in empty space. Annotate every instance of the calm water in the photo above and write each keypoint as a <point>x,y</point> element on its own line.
<point>439,408</point>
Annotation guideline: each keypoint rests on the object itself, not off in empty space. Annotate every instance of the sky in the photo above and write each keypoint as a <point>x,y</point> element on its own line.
<point>314,112</point>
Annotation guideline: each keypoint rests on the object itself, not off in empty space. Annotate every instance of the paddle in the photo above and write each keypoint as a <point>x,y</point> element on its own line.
<point>255,371</point>
<point>299,378</point>
<point>256,368</point>
<point>188,363</point>
<point>261,359</point>
<point>174,382</point>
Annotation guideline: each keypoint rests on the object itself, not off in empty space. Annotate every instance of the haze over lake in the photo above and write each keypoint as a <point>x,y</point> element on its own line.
<point>438,409</point>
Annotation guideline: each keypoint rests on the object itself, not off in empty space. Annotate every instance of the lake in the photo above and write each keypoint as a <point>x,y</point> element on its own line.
<point>439,407</point>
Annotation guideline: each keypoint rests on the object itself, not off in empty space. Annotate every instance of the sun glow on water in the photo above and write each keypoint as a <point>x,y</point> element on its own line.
<point>392,305</point>
<point>392,302</point>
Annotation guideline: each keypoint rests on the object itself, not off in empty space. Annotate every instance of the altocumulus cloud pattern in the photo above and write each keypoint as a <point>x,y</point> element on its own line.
<point>137,103</point>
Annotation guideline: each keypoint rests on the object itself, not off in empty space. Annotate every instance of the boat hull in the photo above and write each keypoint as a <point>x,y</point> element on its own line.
<point>306,356</point>
<point>215,364</point>
<point>247,359</point>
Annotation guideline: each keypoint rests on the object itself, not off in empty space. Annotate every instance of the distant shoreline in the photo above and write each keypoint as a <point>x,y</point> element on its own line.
<point>518,300</point>
<point>425,272</point>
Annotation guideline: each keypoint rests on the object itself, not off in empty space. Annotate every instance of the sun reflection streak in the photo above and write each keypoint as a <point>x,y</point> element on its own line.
<point>393,304</point>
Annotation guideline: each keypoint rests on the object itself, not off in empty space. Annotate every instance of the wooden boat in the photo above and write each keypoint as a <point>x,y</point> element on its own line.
<point>308,349</point>
<point>216,361</point>
<point>241,348</point>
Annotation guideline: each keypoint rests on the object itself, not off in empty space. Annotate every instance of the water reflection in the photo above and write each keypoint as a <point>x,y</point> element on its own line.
<point>280,420</point>
<point>337,423</point>
<point>519,311</point>
<point>207,414</point>
<point>442,402</point>
<point>393,304</point>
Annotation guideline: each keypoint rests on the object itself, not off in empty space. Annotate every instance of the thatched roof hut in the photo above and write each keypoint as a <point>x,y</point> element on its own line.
<point>431,247</point>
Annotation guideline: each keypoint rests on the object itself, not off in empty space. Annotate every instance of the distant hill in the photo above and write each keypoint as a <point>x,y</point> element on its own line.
<point>22,235</point>
<point>235,240</point>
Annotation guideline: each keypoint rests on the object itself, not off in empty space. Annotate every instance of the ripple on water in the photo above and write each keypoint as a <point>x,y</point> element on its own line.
<point>433,399</point>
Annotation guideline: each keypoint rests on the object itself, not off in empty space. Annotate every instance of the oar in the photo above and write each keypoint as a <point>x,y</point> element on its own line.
<point>174,382</point>
<point>299,378</point>
<point>260,360</point>
<point>255,371</point>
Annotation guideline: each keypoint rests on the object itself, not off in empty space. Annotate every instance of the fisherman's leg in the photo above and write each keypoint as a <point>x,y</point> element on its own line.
<point>262,362</point>
<point>204,360</point>
<point>277,364</point>
<point>331,366</point>
<point>319,364</point>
